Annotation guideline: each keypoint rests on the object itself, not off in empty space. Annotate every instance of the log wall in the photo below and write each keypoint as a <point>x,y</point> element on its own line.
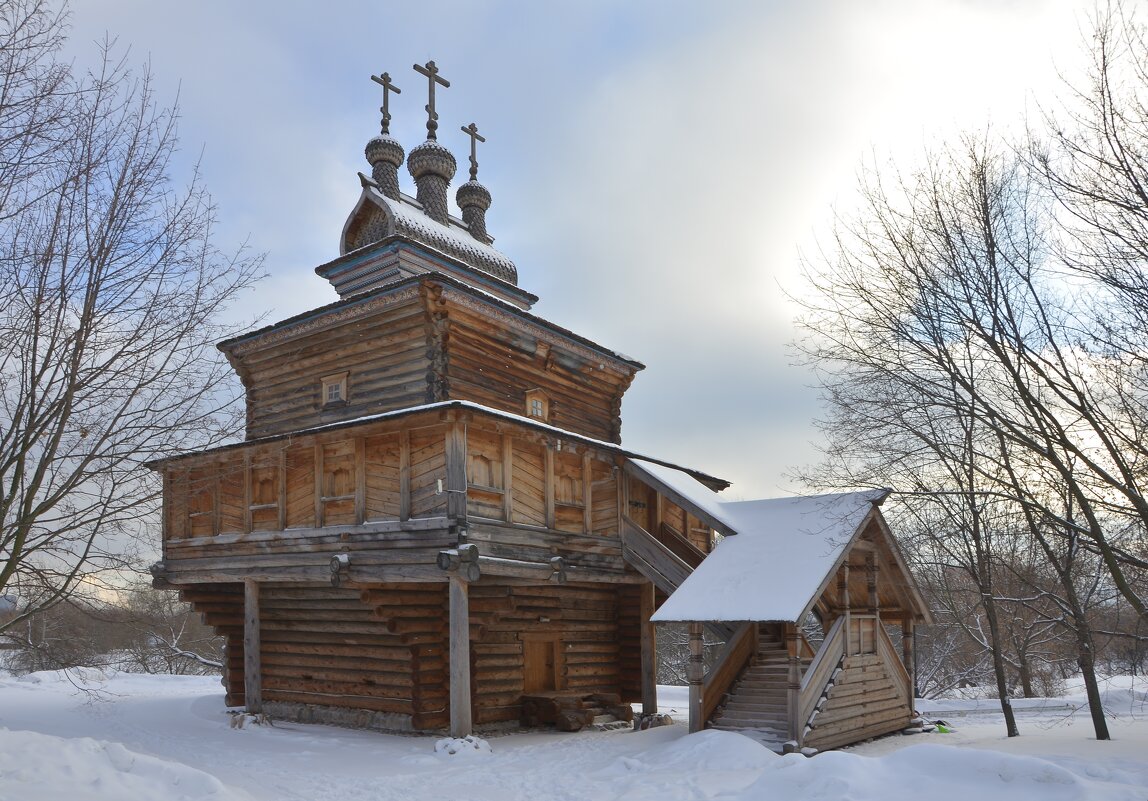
<point>863,703</point>
<point>421,344</point>
<point>587,624</point>
<point>323,479</point>
<point>495,365</point>
<point>384,356</point>
<point>374,657</point>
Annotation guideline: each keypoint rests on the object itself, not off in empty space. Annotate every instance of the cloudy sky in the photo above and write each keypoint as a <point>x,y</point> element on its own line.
<point>657,167</point>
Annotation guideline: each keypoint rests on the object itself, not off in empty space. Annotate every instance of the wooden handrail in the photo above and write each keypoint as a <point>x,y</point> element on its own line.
<point>651,558</point>
<point>893,663</point>
<point>821,670</point>
<point>680,546</point>
<point>806,648</point>
<point>734,656</point>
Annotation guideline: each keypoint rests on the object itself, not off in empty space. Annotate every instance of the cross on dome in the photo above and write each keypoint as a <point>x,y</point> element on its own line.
<point>431,72</point>
<point>472,131</point>
<point>385,81</point>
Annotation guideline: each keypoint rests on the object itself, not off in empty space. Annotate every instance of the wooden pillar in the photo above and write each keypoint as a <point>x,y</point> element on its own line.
<point>908,633</point>
<point>404,475</point>
<point>456,474</point>
<point>695,672</point>
<point>843,593</point>
<point>649,649</point>
<point>548,484</point>
<point>793,686</point>
<point>252,663</point>
<point>460,712</point>
<point>871,568</point>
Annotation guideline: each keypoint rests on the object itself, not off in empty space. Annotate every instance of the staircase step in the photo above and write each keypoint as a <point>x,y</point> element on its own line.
<point>763,710</point>
<point>760,684</point>
<point>779,726</point>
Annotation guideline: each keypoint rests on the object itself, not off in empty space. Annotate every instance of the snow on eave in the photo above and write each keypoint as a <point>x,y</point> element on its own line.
<point>685,490</point>
<point>785,552</point>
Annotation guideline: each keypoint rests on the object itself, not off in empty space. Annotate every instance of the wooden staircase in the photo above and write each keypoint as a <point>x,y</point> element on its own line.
<point>756,703</point>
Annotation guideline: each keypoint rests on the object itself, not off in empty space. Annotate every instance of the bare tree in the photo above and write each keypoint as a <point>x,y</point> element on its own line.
<point>950,344</point>
<point>111,292</point>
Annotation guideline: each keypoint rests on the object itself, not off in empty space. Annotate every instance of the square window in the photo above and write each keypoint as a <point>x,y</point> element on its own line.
<point>334,390</point>
<point>537,405</point>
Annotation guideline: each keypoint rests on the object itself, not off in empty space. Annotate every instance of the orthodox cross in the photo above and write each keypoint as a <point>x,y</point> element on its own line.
<point>431,72</point>
<point>472,131</point>
<point>388,87</point>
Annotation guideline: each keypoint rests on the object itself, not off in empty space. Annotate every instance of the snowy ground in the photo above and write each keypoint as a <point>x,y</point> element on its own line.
<point>89,737</point>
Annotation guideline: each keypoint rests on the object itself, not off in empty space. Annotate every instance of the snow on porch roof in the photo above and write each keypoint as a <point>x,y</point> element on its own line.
<point>782,553</point>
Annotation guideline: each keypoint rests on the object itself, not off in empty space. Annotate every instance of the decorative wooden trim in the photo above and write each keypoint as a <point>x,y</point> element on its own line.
<point>587,494</point>
<point>548,481</point>
<point>247,495</point>
<point>404,475</point>
<point>455,450</point>
<point>695,671</point>
<point>507,477</point>
<point>282,489</point>
<point>320,480</point>
<point>360,479</point>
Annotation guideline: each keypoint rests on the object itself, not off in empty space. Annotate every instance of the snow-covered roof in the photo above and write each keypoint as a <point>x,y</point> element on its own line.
<point>783,551</point>
<point>705,502</point>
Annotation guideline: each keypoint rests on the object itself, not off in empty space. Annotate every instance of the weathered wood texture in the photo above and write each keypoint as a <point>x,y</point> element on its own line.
<point>493,363</point>
<point>221,607</point>
<point>427,343</point>
<point>382,649</point>
<point>252,662</point>
<point>865,701</point>
<point>383,473</point>
<point>384,354</point>
<point>570,637</point>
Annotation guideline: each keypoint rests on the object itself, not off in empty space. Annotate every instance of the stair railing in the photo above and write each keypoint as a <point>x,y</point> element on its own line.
<point>821,670</point>
<point>651,558</point>
<point>894,667</point>
<point>739,649</point>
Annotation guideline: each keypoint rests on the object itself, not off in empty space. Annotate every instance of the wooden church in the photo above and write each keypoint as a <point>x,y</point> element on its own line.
<point>432,523</point>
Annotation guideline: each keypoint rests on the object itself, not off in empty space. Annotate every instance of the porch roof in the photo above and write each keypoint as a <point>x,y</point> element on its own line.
<point>781,558</point>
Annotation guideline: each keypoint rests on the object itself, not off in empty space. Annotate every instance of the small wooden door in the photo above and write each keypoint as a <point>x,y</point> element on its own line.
<point>539,666</point>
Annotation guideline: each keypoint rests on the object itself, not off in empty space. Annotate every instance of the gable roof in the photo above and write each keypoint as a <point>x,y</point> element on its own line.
<point>774,568</point>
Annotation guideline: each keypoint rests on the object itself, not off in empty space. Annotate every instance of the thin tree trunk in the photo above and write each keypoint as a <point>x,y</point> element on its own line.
<point>999,666</point>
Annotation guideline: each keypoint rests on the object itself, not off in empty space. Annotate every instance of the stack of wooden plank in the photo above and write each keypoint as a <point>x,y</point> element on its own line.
<point>574,711</point>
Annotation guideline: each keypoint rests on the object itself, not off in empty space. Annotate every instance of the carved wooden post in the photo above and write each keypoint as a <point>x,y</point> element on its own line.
<point>843,593</point>
<point>456,474</point>
<point>908,632</point>
<point>252,663</point>
<point>695,672</point>
<point>460,712</point>
<point>649,649</point>
<point>793,701</point>
<point>871,568</point>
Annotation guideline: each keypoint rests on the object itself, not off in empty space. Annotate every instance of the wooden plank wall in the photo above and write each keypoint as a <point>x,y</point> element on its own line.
<point>221,607</point>
<point>384,354</point>
<point>381,649</point>
<point>495,366</point>
<point>587,623</point>
<point>864,702</point>
<point>376,475</point>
